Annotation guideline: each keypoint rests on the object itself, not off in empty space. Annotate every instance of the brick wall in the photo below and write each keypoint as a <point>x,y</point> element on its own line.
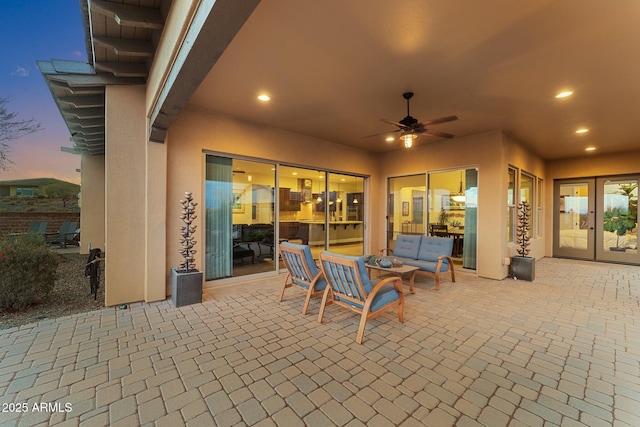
<point>19,222</point>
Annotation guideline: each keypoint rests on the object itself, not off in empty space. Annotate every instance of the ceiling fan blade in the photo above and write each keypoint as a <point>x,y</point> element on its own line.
<point>432,132</point>
<point>440,120</point>
<point>391,122</point>
<point>383,133</point>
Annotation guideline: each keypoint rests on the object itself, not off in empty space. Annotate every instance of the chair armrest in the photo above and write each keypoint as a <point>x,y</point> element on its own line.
<point>397,284</point>
<point>441,258</point>
<point>388,250</point>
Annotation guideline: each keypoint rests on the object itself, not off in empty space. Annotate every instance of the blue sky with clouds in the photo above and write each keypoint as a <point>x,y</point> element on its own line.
<point>32,30</point>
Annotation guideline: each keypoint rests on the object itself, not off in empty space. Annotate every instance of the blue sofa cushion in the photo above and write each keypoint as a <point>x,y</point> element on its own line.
<point>428,265</point>
<point>433,247</point>
<point>407,246</point>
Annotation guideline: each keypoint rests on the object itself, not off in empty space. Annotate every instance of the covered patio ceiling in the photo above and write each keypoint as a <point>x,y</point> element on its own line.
<point>334,68</point>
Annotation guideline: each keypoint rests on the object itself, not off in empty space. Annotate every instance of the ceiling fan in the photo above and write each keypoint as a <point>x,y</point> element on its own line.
<point>410,128</point>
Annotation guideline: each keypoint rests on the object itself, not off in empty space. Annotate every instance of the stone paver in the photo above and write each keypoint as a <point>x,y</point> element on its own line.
<point>563,350</point>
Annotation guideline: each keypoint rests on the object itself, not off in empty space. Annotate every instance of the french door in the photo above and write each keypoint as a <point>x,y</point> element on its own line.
<point>596,219</point>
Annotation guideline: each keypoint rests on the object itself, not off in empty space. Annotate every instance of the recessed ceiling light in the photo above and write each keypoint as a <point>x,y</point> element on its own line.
<point>590,149</point>
<point>390,138</point>
<point>264,97</point>
<point>583,130</point>
<point>564,94</point>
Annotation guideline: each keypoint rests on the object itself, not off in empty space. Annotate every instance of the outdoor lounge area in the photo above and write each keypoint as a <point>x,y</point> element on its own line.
<point>563,350</point>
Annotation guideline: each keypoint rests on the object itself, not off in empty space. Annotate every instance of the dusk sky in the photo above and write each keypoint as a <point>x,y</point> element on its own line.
<point>33,30</point>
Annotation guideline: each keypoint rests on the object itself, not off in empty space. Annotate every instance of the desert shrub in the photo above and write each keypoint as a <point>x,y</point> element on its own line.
<point>27,271</point>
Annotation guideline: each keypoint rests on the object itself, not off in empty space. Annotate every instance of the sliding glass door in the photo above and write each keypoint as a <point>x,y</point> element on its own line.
<point>448,207</point>
<point>252,206</point>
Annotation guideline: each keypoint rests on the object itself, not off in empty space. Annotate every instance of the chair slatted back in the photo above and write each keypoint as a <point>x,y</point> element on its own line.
<point>297,262</point>
<point>302,272</point>
<point>346,278</point>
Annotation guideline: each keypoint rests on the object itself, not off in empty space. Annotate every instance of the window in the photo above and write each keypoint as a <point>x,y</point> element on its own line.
<point>527,194</point>
<point>539,209</point>
<point>511,204</point>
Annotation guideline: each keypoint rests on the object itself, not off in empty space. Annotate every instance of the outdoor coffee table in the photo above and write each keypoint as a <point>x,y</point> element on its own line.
<point>398,271</point>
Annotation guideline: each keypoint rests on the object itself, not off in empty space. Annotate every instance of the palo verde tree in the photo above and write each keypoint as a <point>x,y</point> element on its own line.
<point>11,129</point>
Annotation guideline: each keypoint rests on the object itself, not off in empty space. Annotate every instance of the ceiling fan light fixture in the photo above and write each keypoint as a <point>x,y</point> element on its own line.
<point>408,138</point>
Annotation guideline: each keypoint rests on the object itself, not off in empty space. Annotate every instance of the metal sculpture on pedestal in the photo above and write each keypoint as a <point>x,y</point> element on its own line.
<point>187,231</point>
<point>186,281</point>
<point>523,267</point>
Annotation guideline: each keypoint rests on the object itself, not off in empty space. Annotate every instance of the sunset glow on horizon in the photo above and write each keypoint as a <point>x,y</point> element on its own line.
<point>38,30</point>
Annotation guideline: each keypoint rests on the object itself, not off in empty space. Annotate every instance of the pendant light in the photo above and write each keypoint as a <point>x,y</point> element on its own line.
<point>459,196</point>
<point>355,198</point>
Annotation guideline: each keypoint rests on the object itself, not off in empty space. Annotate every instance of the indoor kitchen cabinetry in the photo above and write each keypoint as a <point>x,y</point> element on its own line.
<point>289,200</point>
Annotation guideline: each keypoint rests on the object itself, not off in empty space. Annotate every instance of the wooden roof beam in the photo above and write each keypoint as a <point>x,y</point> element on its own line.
<point>126,47</point>
<point>83,101</point>
<point>129,15</point>
<point>123,69</point>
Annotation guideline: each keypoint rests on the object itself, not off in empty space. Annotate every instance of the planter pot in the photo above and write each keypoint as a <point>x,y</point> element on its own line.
<point>523,268</point>
<point>186,288</point>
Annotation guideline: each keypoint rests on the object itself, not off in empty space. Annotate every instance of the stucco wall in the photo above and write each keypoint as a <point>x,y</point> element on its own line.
<point>196,130</point>
<point>125,194</point>
<point>93,210</point>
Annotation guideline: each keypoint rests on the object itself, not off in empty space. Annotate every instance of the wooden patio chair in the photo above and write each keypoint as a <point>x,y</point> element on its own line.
<point>302,272</point>
<point>351,288</point>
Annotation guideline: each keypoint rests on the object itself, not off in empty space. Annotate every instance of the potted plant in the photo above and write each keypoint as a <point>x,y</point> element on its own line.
<point>522,266</point>
<point>617,221</point>
<point>186,281</point>
<point>443,217</point>
<point>627,190</point>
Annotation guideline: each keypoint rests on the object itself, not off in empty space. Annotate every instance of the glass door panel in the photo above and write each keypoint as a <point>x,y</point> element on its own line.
<point>574,218</point>
<point>617,219</point>
<point>406,206</point>
<point>239,217</point>
<point>453,206</point>
<point>302,207</point>
<point>346,214</point>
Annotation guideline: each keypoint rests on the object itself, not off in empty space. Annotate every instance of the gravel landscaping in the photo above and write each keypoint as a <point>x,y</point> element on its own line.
<point>71,295</point>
